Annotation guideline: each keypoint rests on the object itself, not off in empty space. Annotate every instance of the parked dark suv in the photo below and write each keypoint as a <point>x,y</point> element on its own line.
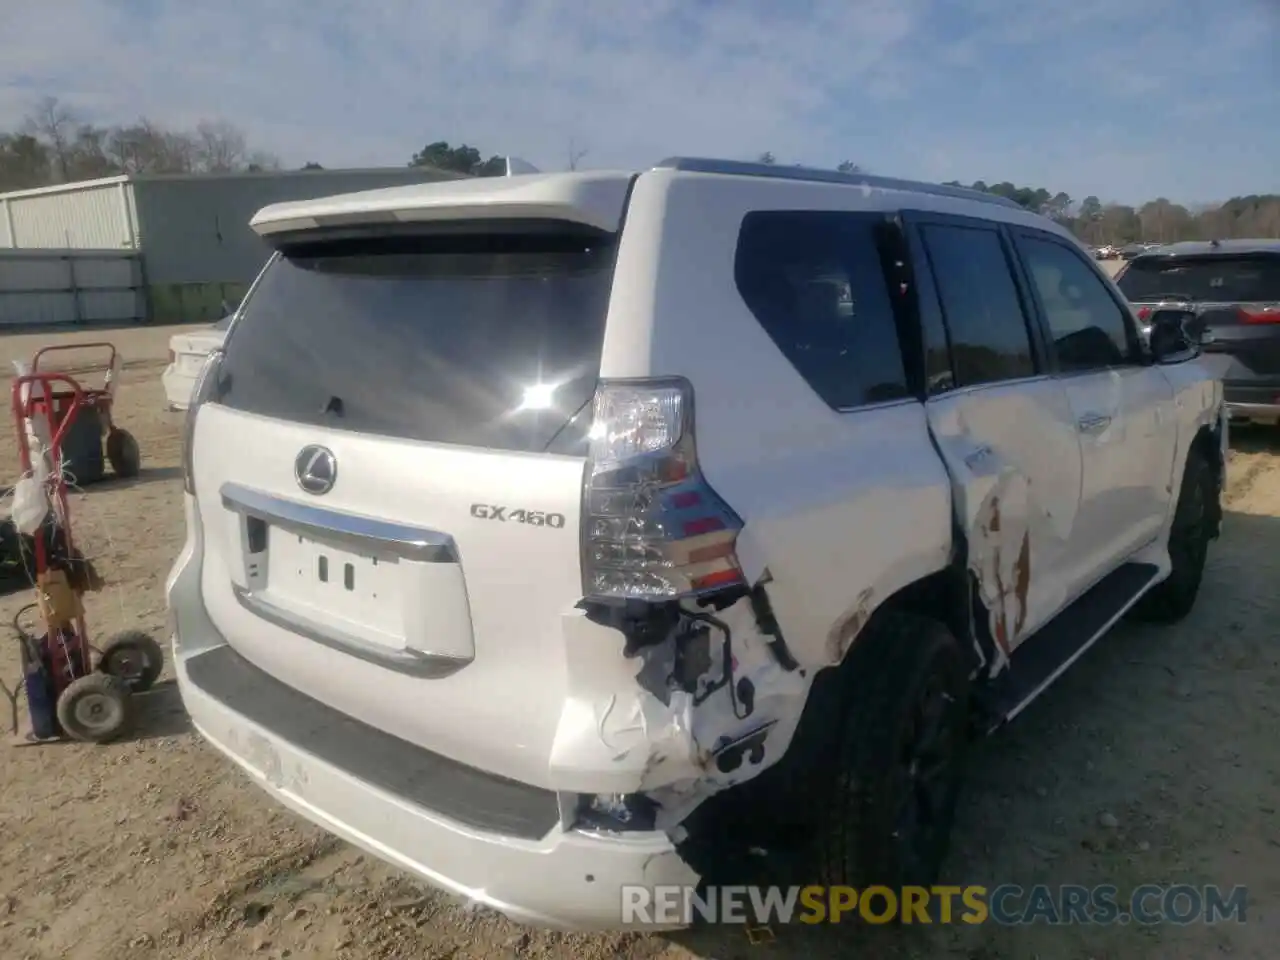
<point>1233,287</point>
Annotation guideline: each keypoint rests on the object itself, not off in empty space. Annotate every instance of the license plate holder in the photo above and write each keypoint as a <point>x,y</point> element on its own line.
<point>334,583</point>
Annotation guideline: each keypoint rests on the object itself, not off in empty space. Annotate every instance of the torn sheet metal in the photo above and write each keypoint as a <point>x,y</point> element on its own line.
<point>1000,558</point>
<point>848,627</point>
<point>703,736</point>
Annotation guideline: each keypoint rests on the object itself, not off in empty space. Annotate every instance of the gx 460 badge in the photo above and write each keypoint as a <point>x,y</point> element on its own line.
<point>534,518</point>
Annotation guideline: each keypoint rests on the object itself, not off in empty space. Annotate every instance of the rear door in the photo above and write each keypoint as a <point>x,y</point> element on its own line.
<point>1237,300</point>
<point>1003,427</point>
<point>389,476</point>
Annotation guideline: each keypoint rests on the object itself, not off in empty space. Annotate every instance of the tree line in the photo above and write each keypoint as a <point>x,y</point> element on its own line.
<point>55,144</point>
<point>1156,221</point>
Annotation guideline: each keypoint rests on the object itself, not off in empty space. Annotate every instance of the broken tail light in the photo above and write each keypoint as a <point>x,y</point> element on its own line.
<point>653,529</point>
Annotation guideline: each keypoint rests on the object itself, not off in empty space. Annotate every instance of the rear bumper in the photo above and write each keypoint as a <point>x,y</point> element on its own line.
<point>177,388</point>
<point>1257,400</point>
<point>1261,412</point>
<point>564,879</point>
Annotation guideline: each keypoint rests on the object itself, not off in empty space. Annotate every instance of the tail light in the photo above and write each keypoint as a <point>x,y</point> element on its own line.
<point>206,382</point>
<point>653,529</point>
<point>1144,313</point>
<point>1262,313</point>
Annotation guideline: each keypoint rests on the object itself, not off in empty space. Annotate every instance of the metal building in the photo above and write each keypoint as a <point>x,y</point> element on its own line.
<point>46,287</point>
<point>191,232</point>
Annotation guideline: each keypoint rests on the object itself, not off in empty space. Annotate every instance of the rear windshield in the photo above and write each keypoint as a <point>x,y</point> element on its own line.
<point>487,340</point>
<point>1215,279</point>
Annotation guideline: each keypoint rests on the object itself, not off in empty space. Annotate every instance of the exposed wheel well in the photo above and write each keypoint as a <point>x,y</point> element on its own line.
<point>939,596</point>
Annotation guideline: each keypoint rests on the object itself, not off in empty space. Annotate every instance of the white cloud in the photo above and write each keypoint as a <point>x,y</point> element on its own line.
<point>897,84</point>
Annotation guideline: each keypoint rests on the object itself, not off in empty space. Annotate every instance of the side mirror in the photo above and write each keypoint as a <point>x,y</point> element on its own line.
<point>1168,337</point>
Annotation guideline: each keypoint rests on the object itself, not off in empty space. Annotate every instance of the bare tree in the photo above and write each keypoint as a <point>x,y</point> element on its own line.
<point>87,154</point>
<point>145,147</point>
<point>55,124</point>
<point>220,147</point>
<point>56,146</point>
<point>576,154</point>
<point>259,160</point>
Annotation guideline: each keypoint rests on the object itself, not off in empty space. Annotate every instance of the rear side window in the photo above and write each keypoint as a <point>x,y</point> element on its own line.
<point>990,341</point>
<point>486,340</point>
<point>816,282</point>
<point>1222,279</point>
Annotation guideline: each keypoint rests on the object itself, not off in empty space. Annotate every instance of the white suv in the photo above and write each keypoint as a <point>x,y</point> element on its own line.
<point>553,533</point>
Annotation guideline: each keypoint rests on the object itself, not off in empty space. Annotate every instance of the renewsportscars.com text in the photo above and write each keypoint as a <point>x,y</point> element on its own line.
<point>1007,904</point>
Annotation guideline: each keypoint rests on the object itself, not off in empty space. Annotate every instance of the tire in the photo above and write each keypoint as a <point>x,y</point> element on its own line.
<point>134,658</point>
<point>96,708</point>
<point>881,820</point>
<point>1192,529</point>
<point>123,454</point>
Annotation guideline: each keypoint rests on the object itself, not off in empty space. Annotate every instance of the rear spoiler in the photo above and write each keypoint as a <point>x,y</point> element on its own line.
<point>593,199</point>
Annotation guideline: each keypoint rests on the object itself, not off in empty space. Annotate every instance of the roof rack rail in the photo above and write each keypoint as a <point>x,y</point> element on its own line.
<point>741,168</point>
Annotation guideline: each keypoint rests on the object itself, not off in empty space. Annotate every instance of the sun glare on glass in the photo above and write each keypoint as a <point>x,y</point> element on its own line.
<point>539,396</point>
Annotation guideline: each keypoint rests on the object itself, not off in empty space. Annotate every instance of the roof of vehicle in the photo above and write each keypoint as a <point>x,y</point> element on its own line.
<point>1208,248</point>
<point>595,198</point>
<point>814,175</point>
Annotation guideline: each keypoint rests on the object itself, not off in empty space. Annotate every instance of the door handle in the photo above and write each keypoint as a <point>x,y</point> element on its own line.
<point>1093,423</point>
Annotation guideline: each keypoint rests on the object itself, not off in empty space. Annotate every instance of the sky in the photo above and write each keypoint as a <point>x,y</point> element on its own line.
<point>1123,99</point>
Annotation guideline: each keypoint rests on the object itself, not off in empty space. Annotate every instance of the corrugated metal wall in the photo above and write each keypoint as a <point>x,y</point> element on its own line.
<point>41,287</point>
<point>97,214</point>
<point>195,234</point>
<point>197,230</point>
<point>193,231</point>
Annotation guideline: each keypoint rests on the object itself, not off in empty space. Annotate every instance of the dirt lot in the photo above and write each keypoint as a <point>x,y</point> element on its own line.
<point>1155,760</point>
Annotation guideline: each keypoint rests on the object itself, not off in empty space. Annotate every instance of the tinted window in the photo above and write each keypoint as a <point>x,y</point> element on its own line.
<point>980,302</point>
<point>816,283</point>
<point>939,376</point>
<point>483,340</point>
<point>1224,279</point>
<point>1088,327</point>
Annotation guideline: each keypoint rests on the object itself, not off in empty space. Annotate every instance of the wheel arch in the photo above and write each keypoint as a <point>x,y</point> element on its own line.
<point>1210,442</point>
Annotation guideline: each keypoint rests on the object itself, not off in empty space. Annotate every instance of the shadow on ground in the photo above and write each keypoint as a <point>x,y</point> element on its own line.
<point>146,475</point>
<point>160,713</point>
<point>1253,438</point>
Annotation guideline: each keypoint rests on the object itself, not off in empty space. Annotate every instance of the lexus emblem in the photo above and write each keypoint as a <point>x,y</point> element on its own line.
<point>316,469</point>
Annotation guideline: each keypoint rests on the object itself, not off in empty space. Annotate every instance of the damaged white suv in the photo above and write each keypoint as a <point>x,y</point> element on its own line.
<point>553,533</point>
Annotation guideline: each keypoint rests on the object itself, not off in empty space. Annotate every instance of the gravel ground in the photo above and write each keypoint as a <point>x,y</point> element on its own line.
<point>1154,760</point>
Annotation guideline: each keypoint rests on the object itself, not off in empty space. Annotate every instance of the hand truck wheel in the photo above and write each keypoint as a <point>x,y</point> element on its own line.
<point>133,657</point>
<point>96,708</point>
<point>123,453</point>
